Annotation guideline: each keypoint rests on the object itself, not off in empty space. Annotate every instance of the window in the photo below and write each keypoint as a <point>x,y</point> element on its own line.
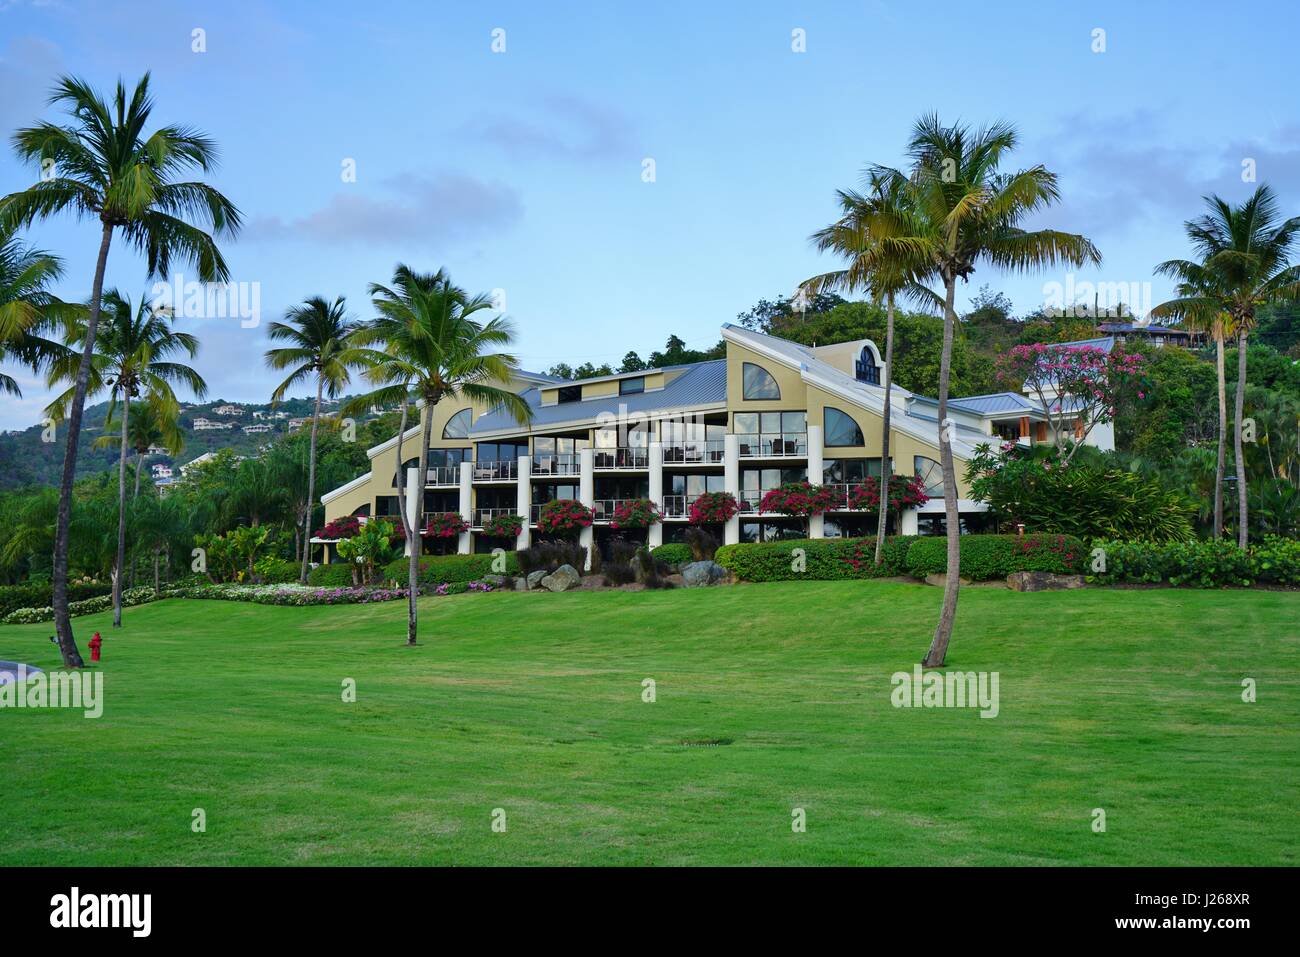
<point>849,471</point>
<point>930,473</point>
<point>865,368</point>
<point>758,382</point>
<point>570,393</point>
<point>446,458</point>
<point>841,429</point>
<point>457,426</point>
<point>631,386</point>
<point>501,451</point>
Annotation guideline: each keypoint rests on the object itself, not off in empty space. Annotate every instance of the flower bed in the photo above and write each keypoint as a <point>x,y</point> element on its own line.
<point>41,594</point>
<point>88,606</point>
<point>288,594</point>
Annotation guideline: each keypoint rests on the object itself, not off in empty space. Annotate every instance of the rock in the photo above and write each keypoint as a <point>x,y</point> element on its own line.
<point>1043,581</point>
<point>521,584</point>
<point>562,579</point>
<point>700,574</point>
<point>534,579</point>
<point>592,582</point>
<point>496,581</point>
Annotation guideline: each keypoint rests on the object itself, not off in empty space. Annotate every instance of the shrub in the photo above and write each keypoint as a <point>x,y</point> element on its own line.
<point>548,556</point>
<point>674,553</point>
<point>445,525</point>
<point>1200,564</point>
<point>824,559</point>
<point>276,571</point>
<point>444,569</point>
<point>503,526</point>
<point>87,606</point>
<point>634,513</point>
<point>713,508</point>
<point>798,499</point>
<point>563,516</point>
<point>41,594</point>
<point>703,544</point>
<point>344,527</point>
<point>989,557</point>
<point>338,575</point>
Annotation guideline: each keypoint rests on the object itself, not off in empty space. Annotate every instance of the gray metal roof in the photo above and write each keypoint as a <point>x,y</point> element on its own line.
<point>701,384</point>
<point>993,403</point>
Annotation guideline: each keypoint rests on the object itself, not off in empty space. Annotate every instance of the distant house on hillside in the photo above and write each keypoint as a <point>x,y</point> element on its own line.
<point>161,471</point>
<point>156,450</point>
<point>262,427</point>
<point>228,410</point>
<point>208,425</point>
<point>1152,333</point>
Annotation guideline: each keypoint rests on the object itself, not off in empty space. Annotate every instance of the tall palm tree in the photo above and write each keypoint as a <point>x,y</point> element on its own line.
<point>964,211</point>
<point>132,358</point>
<point>882,273</point>
<point>434,348</point>
<point>106,168</point>
<point>28,310</point>
<point>323,344</point>
<point>1245,262</point>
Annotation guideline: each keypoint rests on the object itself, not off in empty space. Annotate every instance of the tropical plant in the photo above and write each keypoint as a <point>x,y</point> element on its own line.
<point>432,346</point>
<point>322,345</point>
<point>102,166</point>
<point>28,310</point>
<point>504,526</point>
<point>563,516</point>
<point>634,513</point>
<point>962,210</point>
<point>444,525</point>
<point>1244,262</point>
<point>713,508</point>
<point>368,549</point>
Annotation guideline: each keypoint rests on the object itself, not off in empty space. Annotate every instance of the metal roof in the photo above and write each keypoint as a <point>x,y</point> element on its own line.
<point>993,403</point>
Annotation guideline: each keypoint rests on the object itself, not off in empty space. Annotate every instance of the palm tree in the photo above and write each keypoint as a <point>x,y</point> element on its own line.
<point>433,348</point>
<point>884,274</point>
<point>27,308</point>
<point>132,356</point>
<point>323,345</point>
<point>106,168</point>
<point>963,211</point>
<point>1245,262</point>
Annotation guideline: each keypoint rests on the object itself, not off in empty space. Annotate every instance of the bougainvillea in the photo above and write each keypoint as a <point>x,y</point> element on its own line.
<point>445,525</point>
<point>344,527</point>
<point>503,526</point>
<point>713,508</point>
<point>798,499</point>
<point>634,513</point>
<point>905,491</point>
<point>563,516</point>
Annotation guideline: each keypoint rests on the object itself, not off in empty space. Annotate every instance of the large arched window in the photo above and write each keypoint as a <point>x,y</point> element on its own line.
<point>930,473</point>
<point>841,429</point>
<point>457,426</point>
<point>865,368</point>
<point>758,382</point>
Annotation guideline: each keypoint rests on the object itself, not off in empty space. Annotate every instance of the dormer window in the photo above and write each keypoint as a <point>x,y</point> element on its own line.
<point>570,393</point>
<point>865,368</point>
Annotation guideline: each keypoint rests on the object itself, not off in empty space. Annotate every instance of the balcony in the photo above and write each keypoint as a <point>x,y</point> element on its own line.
<point>677,507</point>
<point>602,509</point>
<point>709,452</point>
<point>504,471</point>
<point>773,445</point>
<point>626,459</point>
<point>480,516</point>
<point>442,475</point>
<point>842,492</point>
<point>557,463</point>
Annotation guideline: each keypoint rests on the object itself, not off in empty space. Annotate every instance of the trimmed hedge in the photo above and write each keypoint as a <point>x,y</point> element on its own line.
<point>444,569</point>
<point>989,557</point>
<point>87,606</point>
<point>674,553</point>
<point>337,575</point>
<point>1200,564</point>
<point>824,559</point>
<point>41,594</point>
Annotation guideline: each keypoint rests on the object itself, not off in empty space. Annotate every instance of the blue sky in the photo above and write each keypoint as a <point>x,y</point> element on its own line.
<point>522,170</point>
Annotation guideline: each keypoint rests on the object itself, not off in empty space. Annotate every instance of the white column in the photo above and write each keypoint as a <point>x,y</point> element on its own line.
<point>908,525</point>
<point>525,498</point>
<point>816,523</point>
<point>466,504</point>
<point>587,496</point>
<point>731,479</point>
<point>655,536</point>
<point>414,502</point>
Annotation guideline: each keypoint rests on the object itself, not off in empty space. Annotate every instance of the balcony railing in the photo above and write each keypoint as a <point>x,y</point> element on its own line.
<point>443,475</point>
<point>620,458</point>
<point>557,463</point>
<point>602,509</point>
<point>842,492</point>
<point>480,516</point>
<point>677,506</point>
<point>503,471</point>
<point>695,453</point>
<point>773,445</point>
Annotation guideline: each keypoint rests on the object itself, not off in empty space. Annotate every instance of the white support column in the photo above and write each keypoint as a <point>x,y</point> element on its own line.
<point>524,499</point>
<point>587,496</point>
<point>731,480</point>
<point>908,525</point>
<point>414,502</point>
<point>816,523</point>
<point>466,504</point>
<point>655,534</point>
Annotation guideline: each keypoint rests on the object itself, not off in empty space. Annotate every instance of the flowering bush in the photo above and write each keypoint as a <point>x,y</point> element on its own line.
<point>823,559</point>
<point>635,513</point>
<point>344,527</point>
<point>713,508</point>
<point>288,594</point>
<point>987,557</point>
<point>905,491</point>
<point>798,499</point>
<point>88,606</point>
<point>445,525</point>
<point>504,526</point>
<point>563,516</point>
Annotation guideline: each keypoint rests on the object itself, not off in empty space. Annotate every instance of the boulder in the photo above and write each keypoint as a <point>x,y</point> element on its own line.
<point>496,581</point>
<point>534,579</point>
<point>700,574</point>
<point>562,579</point>
<point>1043,581</point>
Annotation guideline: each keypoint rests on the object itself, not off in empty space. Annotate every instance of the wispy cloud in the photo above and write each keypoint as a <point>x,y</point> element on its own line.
<point>564,127</point>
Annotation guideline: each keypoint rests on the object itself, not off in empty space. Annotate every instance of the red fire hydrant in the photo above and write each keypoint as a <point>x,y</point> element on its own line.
<point>94,643</point>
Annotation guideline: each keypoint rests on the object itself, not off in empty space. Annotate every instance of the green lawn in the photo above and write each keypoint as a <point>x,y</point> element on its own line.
<point>1124,700</point>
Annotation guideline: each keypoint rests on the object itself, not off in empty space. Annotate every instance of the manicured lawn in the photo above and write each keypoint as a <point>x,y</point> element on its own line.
<point>1124,700</point>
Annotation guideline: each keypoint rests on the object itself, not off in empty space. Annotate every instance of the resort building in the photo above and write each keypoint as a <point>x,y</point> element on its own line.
<point>208,425</point>
<point>228,410</point>
<point>259,427</point>
<point>771,412</point>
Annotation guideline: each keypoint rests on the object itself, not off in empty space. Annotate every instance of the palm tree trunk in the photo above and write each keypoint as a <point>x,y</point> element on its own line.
<point>155,571</point>
<point>1243,530</point>
<point>311,481</point>
<point>1223,435</point>
<point>415,540</point>
<point>408,529</point>
<point>62,618</point>
<point>119,568</point>
<point>139,464</point>
<point>885,471</point>
<point>938,652</point>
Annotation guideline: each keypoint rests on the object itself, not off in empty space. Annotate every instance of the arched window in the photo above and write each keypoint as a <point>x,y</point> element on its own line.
<point>866,368</point>
<point>457,426</point>
<point>758,382</point>
<point>841,429</point>
<point>930,473</point>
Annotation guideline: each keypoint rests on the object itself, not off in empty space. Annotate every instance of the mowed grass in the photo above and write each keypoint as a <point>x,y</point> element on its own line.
<point>1129,701</point>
